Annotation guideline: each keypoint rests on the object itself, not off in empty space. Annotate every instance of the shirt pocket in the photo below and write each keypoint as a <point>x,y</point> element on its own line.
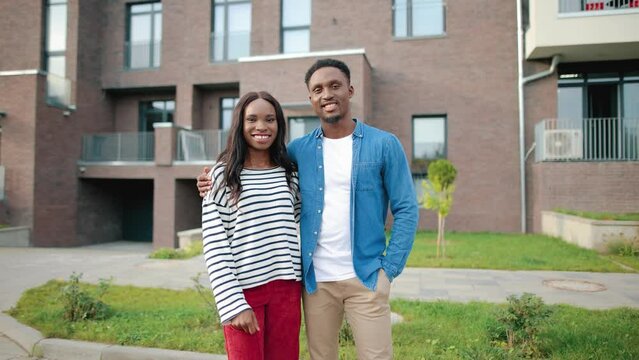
<point>369,176</point>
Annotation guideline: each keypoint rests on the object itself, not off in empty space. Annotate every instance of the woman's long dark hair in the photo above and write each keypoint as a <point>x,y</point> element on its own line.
<point>236,149</point>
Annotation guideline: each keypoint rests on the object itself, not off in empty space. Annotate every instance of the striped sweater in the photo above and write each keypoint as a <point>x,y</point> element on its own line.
<point>252,242</point>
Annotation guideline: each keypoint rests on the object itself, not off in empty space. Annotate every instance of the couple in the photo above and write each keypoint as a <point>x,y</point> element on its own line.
<point>349,174</point>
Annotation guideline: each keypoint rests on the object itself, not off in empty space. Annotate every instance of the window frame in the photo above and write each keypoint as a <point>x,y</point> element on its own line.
<point>304,117</point>
<point>225,51</point>
<point>142,121</point>
<point>56,96</point>
<point>222,108</point>
<point>284,29</point>
<point>586,79</point>
<point>127,36</point>
<point>443,117</point>
<point>409,23</point>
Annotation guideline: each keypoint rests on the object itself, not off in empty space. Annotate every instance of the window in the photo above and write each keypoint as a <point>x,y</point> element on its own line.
<point>58,89</point>
<point>155,111</point>
<point>231,30</point>
<point>412,18</point>
<point>296,26</point>
<point>429,142</point>
<point>144,35</point>
<point>226,111</point>
<point>300,126</point>
<point>602,106</point>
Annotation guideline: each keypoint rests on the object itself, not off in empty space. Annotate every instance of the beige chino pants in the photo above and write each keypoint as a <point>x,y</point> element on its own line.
<point>367,312</point>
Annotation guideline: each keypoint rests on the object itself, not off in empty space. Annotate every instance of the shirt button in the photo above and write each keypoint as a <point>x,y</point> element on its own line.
<point>314,232</point>
<point>319,146</point>
<point>320,189</point>
<point>320,166</point>
<point>319,211</point>
<point>310,254</point>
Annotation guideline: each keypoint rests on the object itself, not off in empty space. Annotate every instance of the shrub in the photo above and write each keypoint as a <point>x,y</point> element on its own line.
<point>346,334</point>
<point>190,251</point>
<point>624,246</point>
<point>521,321</point>
<point>81,305</point>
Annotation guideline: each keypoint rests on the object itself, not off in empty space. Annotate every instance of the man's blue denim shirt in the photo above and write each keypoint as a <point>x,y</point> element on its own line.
<point>380,176</point>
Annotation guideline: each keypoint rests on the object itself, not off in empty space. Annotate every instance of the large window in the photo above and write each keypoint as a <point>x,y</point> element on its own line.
<point>227,104</point>
<point>55,52</point>
<point>231,30</point>
<point>601,106</point>
<point>429,141</point>
<point>296,26</point>
<point>300,126</point>
<point>155,111</point>
<point>413,18</point>
<point>144,35</point>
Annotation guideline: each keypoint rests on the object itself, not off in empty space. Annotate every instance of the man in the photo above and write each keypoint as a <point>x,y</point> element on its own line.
<point>349,174</point>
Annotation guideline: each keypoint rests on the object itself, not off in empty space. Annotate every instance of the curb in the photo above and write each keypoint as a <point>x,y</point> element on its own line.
<point>27,338</point>
<point>35,344</point>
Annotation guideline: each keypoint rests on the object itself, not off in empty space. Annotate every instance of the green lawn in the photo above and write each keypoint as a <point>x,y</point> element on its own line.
<point>601,215</point>
<point>509,251</point>
<point>435,330</point>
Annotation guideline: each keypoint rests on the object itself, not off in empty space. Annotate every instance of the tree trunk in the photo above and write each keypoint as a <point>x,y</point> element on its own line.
<point>443,237</point>
<point>439,232</point>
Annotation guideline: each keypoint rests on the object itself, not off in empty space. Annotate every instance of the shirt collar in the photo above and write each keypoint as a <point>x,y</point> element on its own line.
<point>358,132</point>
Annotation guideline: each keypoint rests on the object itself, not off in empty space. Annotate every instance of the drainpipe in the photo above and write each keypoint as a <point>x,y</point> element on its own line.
<point>523,81</point>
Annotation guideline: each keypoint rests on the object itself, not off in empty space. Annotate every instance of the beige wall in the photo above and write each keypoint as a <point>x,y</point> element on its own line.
<point>581,36</point>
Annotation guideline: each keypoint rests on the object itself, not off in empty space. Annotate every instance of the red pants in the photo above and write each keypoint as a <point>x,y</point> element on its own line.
<point>277,308</point>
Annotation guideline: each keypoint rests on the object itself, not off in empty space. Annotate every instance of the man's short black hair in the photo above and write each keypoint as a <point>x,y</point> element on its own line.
<point>321,63</point>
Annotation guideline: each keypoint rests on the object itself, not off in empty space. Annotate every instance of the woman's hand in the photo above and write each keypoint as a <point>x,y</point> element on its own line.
<point>246,321</point>
<point>204,182</point>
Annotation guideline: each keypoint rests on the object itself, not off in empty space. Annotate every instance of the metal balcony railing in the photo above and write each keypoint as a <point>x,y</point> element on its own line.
<point>589,139</point>
<point>143,54</point>
<point>230,46</point>
<point>200,145</point>
<point>118,147</point>
<point>567,6</point>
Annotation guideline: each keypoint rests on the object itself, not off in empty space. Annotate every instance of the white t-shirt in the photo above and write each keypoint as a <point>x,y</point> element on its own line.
<point>333,260</point>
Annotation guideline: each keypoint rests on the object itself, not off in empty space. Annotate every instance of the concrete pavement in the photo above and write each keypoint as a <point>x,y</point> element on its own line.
<point>127,264</point>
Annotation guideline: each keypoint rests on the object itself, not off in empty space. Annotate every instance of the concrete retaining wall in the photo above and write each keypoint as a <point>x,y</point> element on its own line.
<point>188,237</point>
<point>19,236</point>
<point>587,233</point>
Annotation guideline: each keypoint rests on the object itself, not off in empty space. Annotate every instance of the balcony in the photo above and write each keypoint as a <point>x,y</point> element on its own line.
<point>230,46</point>
<point>191,146</point>
<point>118,147</point>
<point>201,145</point>
<point>143,54</point>
<point>589,139</point>
<point>583,30</point>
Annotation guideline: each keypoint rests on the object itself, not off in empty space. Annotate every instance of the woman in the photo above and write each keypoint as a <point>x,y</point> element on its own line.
<point>249,224</point>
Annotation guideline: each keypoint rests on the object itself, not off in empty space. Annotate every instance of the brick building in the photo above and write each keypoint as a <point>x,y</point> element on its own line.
<point>108,109</point>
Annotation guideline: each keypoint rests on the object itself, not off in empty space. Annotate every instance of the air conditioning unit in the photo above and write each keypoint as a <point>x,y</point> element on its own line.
<point>564,144</point>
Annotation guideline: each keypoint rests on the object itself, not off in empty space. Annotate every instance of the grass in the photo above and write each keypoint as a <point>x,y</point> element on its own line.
<point>601,215</point>
<point>194,249</point>
<point>141,316</point>
<point>508,252</point>
<point>431,330</point>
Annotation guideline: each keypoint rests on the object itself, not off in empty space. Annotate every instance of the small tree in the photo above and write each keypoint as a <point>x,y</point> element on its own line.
<point>438,195</point>
<point>522,320</point>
